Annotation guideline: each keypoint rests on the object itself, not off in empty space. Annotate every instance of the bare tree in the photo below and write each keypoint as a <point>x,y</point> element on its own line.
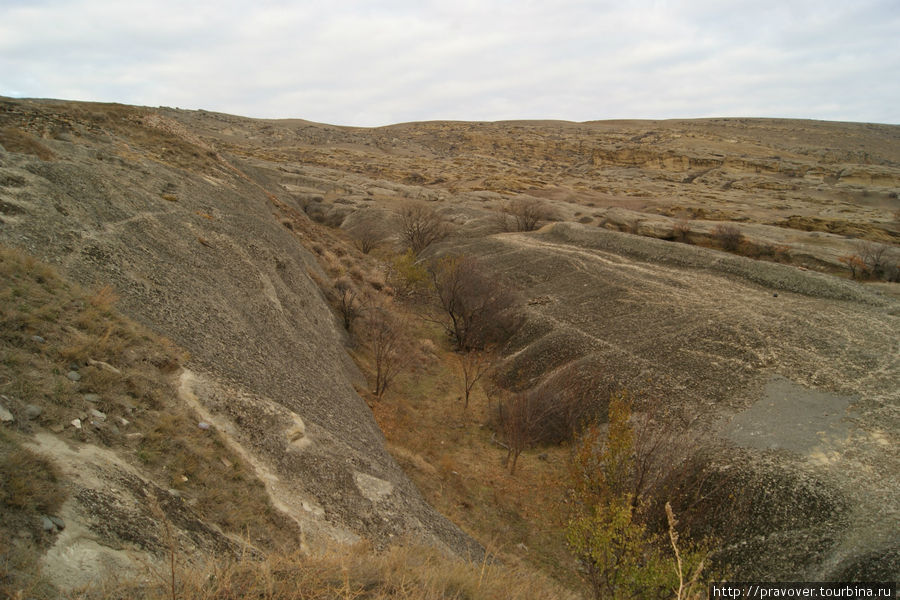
<point>367,238</point>
<point>474,365</point>
<point>388,343</point>
<point>502,222</point>
<point>522,418</point>
<point>527,213</point>
<point>857,266</point>
<point>875,257</point>
<point>420,226</point>
<point>474,307</point>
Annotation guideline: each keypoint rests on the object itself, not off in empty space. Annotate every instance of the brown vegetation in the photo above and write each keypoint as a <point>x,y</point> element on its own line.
<point>48,327</point>
<point>387,339</point>
<point>420,226</point>
<point>728,236</point>
<point>367,239</point>
<point>473,307</point>
<point>357,573</point>
<point>681,231</point>
<point>873,261</point>
<point>474,364</point>
<point>524,214</point>
<point>347,300</point>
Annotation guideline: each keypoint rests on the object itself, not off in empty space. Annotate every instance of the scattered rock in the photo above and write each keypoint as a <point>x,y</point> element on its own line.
<point>92,397</point>
<point>74,375</point>
<point>38,339</point>
<point>98,415</point>
<point>57,428</point>
<point>32,411</point>
<point>6,416</point>
<point>124,422</point>
<point>47,524</point>
<point>226,462</point>
<point>203,425</point>
<point>76,423</point>
<point>60,524</point>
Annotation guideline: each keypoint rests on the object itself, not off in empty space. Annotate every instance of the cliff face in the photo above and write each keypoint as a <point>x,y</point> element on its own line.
<point>194,246</point>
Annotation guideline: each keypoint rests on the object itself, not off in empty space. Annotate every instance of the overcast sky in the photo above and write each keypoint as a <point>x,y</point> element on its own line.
<point>374,63</point>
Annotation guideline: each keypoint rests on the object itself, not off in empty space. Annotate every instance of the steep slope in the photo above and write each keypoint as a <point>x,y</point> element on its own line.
<point>116,195</point>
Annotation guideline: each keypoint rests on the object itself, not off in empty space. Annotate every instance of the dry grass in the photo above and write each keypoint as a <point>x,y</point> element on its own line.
<point>451,455</point>
<point>49,327</point>
<point>445,448</point>
<point>30,487</point>
<point>358,573</point>
<point>18,140</point>
<point>28,482</point>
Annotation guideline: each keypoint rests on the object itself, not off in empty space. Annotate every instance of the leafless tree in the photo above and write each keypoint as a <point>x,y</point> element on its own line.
<point>387,341</point>
<point>474,365</point>
<point>874,256</point>
<point>522,418</point>
<point>474,307</point>
<point>502,222</point>
<point>367,239</point>
<point>856,264</point>
<point>420,226</point>
<point>527,213</point>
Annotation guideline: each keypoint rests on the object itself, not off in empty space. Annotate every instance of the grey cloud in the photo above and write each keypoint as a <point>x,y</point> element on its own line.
<point>373,63</point>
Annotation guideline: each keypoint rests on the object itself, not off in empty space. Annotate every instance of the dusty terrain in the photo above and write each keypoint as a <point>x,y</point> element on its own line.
<point>799,367</point>
<point>191,245</point>
<point>188,214</point>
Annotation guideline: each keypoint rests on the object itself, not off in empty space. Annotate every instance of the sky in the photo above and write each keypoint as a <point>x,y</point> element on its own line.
<point>368,63</point>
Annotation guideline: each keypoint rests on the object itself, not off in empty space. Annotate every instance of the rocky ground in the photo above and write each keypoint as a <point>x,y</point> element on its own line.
<point>188,215</point>
<point>798,367</point>
<point>195,248</point>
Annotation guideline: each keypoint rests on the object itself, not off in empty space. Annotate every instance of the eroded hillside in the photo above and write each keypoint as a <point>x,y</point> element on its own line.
<point>203,224</point>
<point>195,249</point>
